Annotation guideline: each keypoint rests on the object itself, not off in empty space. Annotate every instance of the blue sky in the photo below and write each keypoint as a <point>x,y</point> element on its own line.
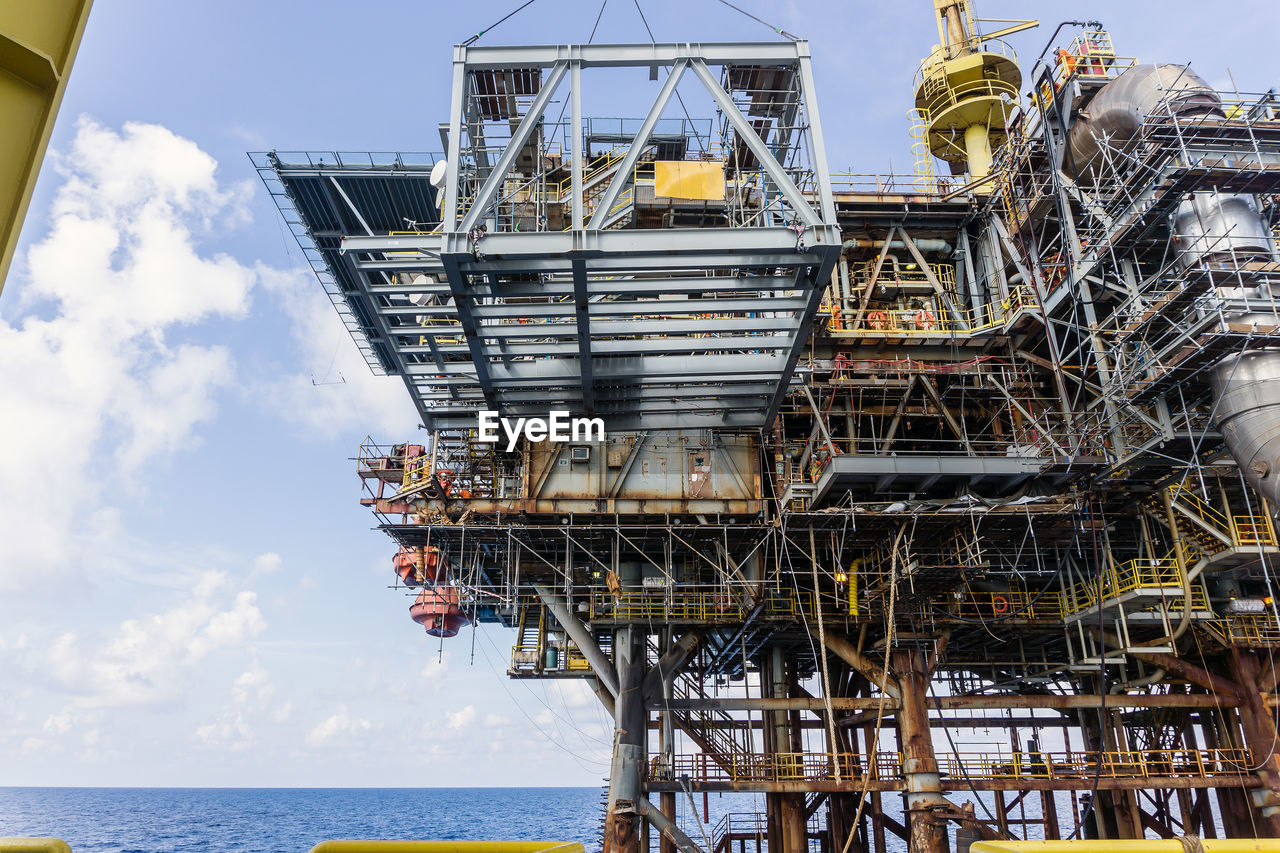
<point>190,593</point>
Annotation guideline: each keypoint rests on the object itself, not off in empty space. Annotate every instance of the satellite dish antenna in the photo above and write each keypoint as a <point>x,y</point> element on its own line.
<point>438,172</point>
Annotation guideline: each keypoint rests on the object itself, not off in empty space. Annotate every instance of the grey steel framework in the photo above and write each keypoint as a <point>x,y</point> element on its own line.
<point>1030,464</point>
<point>544,286</point>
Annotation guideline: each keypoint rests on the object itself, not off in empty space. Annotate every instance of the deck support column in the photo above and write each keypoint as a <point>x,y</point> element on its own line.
<point>1260,736</point>
<point>630,722</point>
<point>926,833</point>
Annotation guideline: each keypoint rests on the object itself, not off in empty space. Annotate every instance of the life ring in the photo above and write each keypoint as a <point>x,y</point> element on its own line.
<point>925,320</point>
<point>1000,605</point>
<point>721,602</point>
<point>878,320</point>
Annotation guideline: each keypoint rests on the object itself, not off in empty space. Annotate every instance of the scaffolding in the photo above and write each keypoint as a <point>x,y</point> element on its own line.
<point>912,485</point>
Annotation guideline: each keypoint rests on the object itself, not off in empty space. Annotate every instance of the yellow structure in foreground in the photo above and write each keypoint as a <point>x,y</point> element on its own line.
<point>38,43</point>
<point>1105,845</point>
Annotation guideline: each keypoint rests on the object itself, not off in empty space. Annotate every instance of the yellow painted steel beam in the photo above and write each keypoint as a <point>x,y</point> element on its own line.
<point>1163,845</point>
<point>33,845</point>
<point>38,43</point>
<point>447,847</point>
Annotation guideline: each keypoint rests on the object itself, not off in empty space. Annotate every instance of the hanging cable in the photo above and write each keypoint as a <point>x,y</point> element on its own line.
<point>596,25</point>
<point>684,109</point>
<point>777,30</point>
<point>510,14</point>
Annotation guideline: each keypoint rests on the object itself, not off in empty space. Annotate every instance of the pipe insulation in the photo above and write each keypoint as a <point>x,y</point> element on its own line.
<point>1116,114</point>
<point>1247,390</point>
<point>1207,227</point>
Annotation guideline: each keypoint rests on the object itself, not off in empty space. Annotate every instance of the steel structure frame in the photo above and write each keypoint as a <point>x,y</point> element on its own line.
<point>638,326</point>
<point>995,509</point>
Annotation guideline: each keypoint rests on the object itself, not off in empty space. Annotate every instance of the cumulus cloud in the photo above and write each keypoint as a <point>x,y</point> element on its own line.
<point>96,386</point>
<point>339,392</point>
<point>149,659</point>
<point>461,719</point>
<point>338,725</point>
<point>110,364</point>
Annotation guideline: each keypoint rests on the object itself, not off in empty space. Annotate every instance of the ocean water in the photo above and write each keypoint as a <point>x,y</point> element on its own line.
<point>292,820</point>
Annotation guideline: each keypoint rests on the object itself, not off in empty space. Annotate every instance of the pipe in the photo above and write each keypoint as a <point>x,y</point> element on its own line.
<point>926,245</point>
<point>667,827</point>
<point>668,666</point>
<point>586,643</point>
<point>977,148</point>
<point>1115,115</point>
<point>1247,389</point>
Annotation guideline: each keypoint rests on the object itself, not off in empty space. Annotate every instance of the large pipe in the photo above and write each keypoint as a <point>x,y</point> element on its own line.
<point>667,827</point>
<point>1115,115</point>
<point>926,245</point>
<point>581,637</point>
<point>1247,389</point>
<point>1206,227</point>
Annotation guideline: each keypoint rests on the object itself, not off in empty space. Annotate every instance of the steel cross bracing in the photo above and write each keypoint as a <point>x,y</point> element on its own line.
<point>548,284</point>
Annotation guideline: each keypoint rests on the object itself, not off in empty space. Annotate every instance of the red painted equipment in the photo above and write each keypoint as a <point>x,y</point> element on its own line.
<point>415,566</point>
<point>436,609</point>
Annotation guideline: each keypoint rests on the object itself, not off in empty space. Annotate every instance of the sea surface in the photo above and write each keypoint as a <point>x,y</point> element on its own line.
<point>292,820</point>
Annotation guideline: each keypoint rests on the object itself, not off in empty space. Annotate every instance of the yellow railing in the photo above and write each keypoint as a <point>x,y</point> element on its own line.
<point>1251,630</point>
<point>946,95</point>
<point>922,157</point>
<point>1122,579</point>
<point>1206,513</point>
<point>1012,604</point>
<point>1253,530</point>
<point>821,766</point>
<point>1242,529</point>
<point>1091,56</point>
<point>912,322</point>
<point>1110,765</point>
<point>660,604</point>
<point>417,473</point>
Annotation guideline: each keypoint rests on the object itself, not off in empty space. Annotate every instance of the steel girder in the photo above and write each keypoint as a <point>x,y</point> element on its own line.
<point>658,327</point>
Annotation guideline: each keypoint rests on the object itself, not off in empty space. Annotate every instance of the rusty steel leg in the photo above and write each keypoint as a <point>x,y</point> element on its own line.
<point>1049,810</point>
<point>667,805</point>
<point>927,834</point>
<point>1221,731</point>
<point>1259,729</point>
<point>622,831</point>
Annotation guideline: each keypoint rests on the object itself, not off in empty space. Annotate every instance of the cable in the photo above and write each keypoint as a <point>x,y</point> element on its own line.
<point>520,8</point>
<point>777,30</point>
<point>599,15</point>
<point>684,109</point>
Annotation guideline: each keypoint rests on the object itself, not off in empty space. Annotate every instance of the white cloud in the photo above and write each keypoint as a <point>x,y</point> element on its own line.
<point>340,392</point>
<point>267,564</point>
<point>340,724</point>
<point>149,658</point>
<point>95,388</point>
<point>461,719</point>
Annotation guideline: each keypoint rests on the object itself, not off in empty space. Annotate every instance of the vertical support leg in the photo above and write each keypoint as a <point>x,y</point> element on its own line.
<point>1261,737</point>
<point>927,833</point>
<point>667,804</point>
<point>1049,810</point>
<point>622,830</point>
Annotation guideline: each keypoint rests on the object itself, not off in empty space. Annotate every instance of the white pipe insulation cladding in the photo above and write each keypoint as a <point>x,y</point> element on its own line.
<point>1206,228</point>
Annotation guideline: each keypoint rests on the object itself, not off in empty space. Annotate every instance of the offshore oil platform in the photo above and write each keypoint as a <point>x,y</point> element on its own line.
<point>813,475</point>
